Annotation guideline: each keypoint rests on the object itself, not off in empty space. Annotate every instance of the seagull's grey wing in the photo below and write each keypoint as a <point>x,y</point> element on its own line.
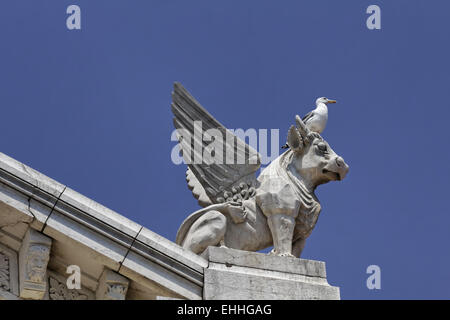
<point>209,181</point>
<point>308,116</point>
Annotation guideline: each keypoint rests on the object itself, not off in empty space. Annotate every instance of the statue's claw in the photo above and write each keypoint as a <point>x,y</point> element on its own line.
<point>284,254</point>
<point>222,244</point>
<point>236,212</point>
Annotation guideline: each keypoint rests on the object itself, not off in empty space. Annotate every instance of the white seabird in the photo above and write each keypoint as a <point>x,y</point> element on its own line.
<point>316,120</point>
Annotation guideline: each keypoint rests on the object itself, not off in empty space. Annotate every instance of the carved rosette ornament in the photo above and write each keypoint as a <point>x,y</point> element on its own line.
<point>59,291</point>
<point>116,290</point>
<point>112,286</point>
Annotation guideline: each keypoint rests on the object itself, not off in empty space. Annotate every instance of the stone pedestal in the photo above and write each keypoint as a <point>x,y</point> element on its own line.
<point>235,274</point>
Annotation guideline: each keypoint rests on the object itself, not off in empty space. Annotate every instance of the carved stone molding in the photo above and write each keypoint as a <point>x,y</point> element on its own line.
<point>8,271</point>
<point>57,289</point>
<point>112,286</point>
<point>34,255</point>
<point>4,272</point>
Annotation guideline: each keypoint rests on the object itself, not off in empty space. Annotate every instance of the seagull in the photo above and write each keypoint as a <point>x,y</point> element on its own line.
<point>316,120</point>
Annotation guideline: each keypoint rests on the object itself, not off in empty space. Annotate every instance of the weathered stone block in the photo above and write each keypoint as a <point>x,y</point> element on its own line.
<point>242,275</point>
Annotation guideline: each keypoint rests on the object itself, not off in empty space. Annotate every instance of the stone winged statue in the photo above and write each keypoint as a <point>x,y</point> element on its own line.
<point>242,211</point>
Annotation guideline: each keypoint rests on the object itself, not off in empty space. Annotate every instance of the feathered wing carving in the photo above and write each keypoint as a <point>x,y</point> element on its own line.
<point>233,178</point>
<point>197,189</point>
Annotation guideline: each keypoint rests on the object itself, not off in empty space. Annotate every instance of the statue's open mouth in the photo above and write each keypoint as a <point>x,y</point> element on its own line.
<point>331,174</point>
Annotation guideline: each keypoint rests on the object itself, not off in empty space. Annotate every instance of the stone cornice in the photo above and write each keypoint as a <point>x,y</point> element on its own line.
<point>64,214</point>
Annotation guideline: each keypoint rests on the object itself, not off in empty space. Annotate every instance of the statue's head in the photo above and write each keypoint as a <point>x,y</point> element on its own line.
<point>313,160</point>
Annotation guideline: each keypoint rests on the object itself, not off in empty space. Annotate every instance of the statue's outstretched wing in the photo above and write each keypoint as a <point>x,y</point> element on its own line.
<point>211,179</point>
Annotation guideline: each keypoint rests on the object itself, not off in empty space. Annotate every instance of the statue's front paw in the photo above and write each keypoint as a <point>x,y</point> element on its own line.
<point>237,212</point>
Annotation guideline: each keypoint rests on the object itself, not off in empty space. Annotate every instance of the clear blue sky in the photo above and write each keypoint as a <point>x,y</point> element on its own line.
<point>90,108</point>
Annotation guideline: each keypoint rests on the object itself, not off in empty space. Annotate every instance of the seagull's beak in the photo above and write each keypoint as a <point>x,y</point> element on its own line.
<point>331,101</point>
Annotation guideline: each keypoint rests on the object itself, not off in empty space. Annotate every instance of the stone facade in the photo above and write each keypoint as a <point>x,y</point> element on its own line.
<point>46,228</point>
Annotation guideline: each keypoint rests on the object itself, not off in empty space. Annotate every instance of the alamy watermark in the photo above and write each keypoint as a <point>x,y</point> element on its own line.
<point>374,20</point>
<point>73,22</point>
<point>374,280</point>
<point>74,280</point>
<point>221,146</point>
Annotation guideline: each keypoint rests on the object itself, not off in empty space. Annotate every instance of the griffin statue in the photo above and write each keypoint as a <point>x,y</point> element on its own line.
<point>241,211</point>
